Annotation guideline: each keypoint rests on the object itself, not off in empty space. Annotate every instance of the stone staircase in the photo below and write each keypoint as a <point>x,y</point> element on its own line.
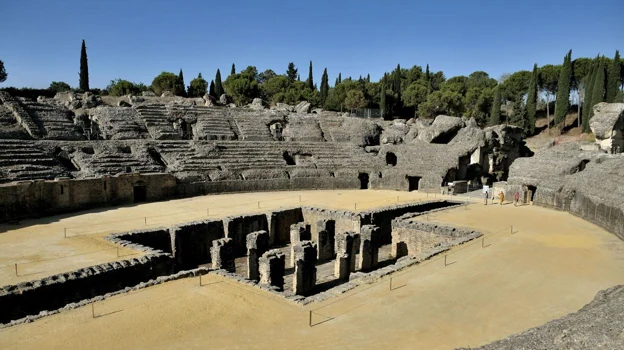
<point>252,128</point>
<point>104,159</point>
<point>157,123</point>
<point>22,160</point>
<point>56,121</point>
<point>213,124</point>
<point>21,115</point>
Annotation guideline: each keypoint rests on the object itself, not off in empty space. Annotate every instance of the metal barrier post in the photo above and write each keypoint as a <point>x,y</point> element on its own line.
<point>145,221</point>
<point>93,310</point>
<point>310,319</point>
<point>65,232</point>
<point>16,275</point>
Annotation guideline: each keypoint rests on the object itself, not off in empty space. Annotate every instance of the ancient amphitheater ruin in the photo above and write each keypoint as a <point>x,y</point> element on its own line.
<point>168,222</point>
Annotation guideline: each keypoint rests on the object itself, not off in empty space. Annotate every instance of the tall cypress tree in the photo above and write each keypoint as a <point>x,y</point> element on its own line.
<point>84,69</point>
<point>598,91</point>
<point>324,87</point>
<point>218,85</point>
<point>428,79</point>
<point>310,78</point>
<point>383,101</point>
<point>613,82</point>
<point>589,88</point>
<point>368,78</point>
<point>563,89</point>
<point>211,90</point>
<point>531,104</point>
<point>233,71</point>
<point>339,78</point>
<point>181,87</point>
<point>496,107</point>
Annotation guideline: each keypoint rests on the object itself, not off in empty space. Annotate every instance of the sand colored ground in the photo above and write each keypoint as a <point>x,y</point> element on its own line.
<point>40,249</point>
<point>552,265</point>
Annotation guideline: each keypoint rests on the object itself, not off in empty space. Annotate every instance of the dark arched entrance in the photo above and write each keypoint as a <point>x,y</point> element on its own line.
<point>140,192</point>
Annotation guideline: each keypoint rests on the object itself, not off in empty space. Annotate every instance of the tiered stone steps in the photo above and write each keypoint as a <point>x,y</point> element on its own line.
<point>21,115</point>
<point>213,124</point>
<point>252,128</point>
<point>115,163</point>
<point>333,130</point>
<point>155,118</point>
<point>55,121</point>
<point>22,160</point>
<point>119,123</point>
<point>9,127</point>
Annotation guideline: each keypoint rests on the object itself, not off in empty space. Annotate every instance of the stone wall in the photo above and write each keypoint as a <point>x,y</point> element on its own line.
<point>51,293</point>
<point>411,237</point>
<point>238,227</point>
<point>279,225</point>
<point>191,242</point>
<point>345,221</point>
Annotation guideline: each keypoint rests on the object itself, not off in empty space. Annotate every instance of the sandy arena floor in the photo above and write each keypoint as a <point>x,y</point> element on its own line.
<point>552,265</point>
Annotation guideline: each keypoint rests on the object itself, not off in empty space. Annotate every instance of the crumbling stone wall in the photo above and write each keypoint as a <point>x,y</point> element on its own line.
<point>191,242</point>
<point>279,224</point>
<point>326,239</point>
<point>222,254</point>
<point>343,220</point>
<point>272,267</point>
<point>412,237</point>
<point>159,238</point>
<point>239,227</point>
<point>257,245</point>
<point>347,246</point>
<point>304,278</point>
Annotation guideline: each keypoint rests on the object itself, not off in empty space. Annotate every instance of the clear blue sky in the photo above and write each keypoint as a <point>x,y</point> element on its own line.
<point>138,39</point>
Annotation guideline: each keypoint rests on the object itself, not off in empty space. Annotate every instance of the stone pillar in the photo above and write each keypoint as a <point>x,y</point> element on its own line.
<point>326,239</point>
<point>272,266</point>
<point>257,244</point>
<point>369,247</point>
<point>222,254</point>
<point>298,232</point>
<point>304,278</point>
<point>347,245</point>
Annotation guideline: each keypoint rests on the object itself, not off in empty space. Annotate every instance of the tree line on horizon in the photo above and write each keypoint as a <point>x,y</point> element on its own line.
<point>518,98</point>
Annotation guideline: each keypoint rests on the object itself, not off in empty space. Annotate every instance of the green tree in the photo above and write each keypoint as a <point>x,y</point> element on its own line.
<point>167,81</point>
<point>383,102</point>
<point>198,87</point>
<point>233,71</point>
<point>324,87</point>
<point>310,80</point>
<point>181,87</point>
<point>121,87</point>
<point>496,107</point>
<point>339,78</point>
<point>218,85</point>
<point>587,103</point>
<point>84,69</point>
<point>211,90</point>
<point>563,89</point>
<point>598,90</point>
<point>368,78</point>
<point>415,94</point>
<point>355,99</point>
<point>531,104</point>
<point>3,73</point>
<point>613,82</point>
<point>243,87</point>
<point>291,73</point>
<point>265,76</point>
<point>274,89</point>
<point>548,81</point>
<point>59,86</point>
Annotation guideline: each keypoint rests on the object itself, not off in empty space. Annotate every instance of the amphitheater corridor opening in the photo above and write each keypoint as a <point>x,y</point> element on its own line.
<point>363,181</point>
<point>140,192</point>
<point>412,183</point>
<point>530,194</point>
<point>391,159</point>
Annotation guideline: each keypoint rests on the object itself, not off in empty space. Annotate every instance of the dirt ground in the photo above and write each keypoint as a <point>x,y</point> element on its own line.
<point>552,264</point>
<point>40,248</point>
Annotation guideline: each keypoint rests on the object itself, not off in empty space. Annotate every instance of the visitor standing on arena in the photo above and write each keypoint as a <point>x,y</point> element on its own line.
<point>516,198</point>
<point>501,195</point>
<point>486,196</point>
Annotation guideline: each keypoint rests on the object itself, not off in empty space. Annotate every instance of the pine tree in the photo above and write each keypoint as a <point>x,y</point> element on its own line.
<point>324,87</point>
<point>531,104</point>
<point>291,73</point>
<point>218,85</point>
<point>181,86</point>
<point>496,107</point>
<point>598,91</point>
<point>589,88</point>
<point>613,82</point>
<point>310,78</point>
<point>84,69</point>
<point>233,71</point>
<point>563,89</point>
<point>211,90</point>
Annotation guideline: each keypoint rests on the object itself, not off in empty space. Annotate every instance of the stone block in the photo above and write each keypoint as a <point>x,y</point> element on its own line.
<point>272,266</point>
<point>304,278</point>
<point>222,253</point>
<point>257,244</point>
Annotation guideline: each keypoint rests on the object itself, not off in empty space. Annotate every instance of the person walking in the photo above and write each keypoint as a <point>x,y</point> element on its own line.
<point>501,195</point>
<point>486,197</point>
<point>516,198</point>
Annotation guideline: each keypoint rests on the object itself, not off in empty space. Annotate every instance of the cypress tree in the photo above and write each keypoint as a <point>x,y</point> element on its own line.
<point>339,78</point>
<point>531,104</point>
<point>233,71</point>
<point>598,91</point>
<point>84,69</point>
<point>496,107</point>
<point>428,78</point>
<point>298,77</point>
<point>589,88</point>
<point>563,89</point>
<point>396,80</point>
<point>613,82</point>
<point>211,90</point>
<point>324,87</point>
<point>368,78</point>
<point>181,87</point>
<point>218,85</point>
<point>310,78</point>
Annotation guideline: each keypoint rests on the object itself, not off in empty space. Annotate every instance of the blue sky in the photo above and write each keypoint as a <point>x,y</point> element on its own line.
<point>138,39</point>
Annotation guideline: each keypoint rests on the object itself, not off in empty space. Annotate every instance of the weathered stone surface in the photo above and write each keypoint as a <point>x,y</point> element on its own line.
<point>222,253</point>
<point>304,278</point>
<point>223,99</point>
<point>608,126</point>
<point>303,107</point>
<point>89,100</point>
<point>442,127</point>
<point>167,94</point>
<point>148,94</point>
<point>123,103</point>
<point>257,245</point>
<point>257,104</point>
<point>272,267</point>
